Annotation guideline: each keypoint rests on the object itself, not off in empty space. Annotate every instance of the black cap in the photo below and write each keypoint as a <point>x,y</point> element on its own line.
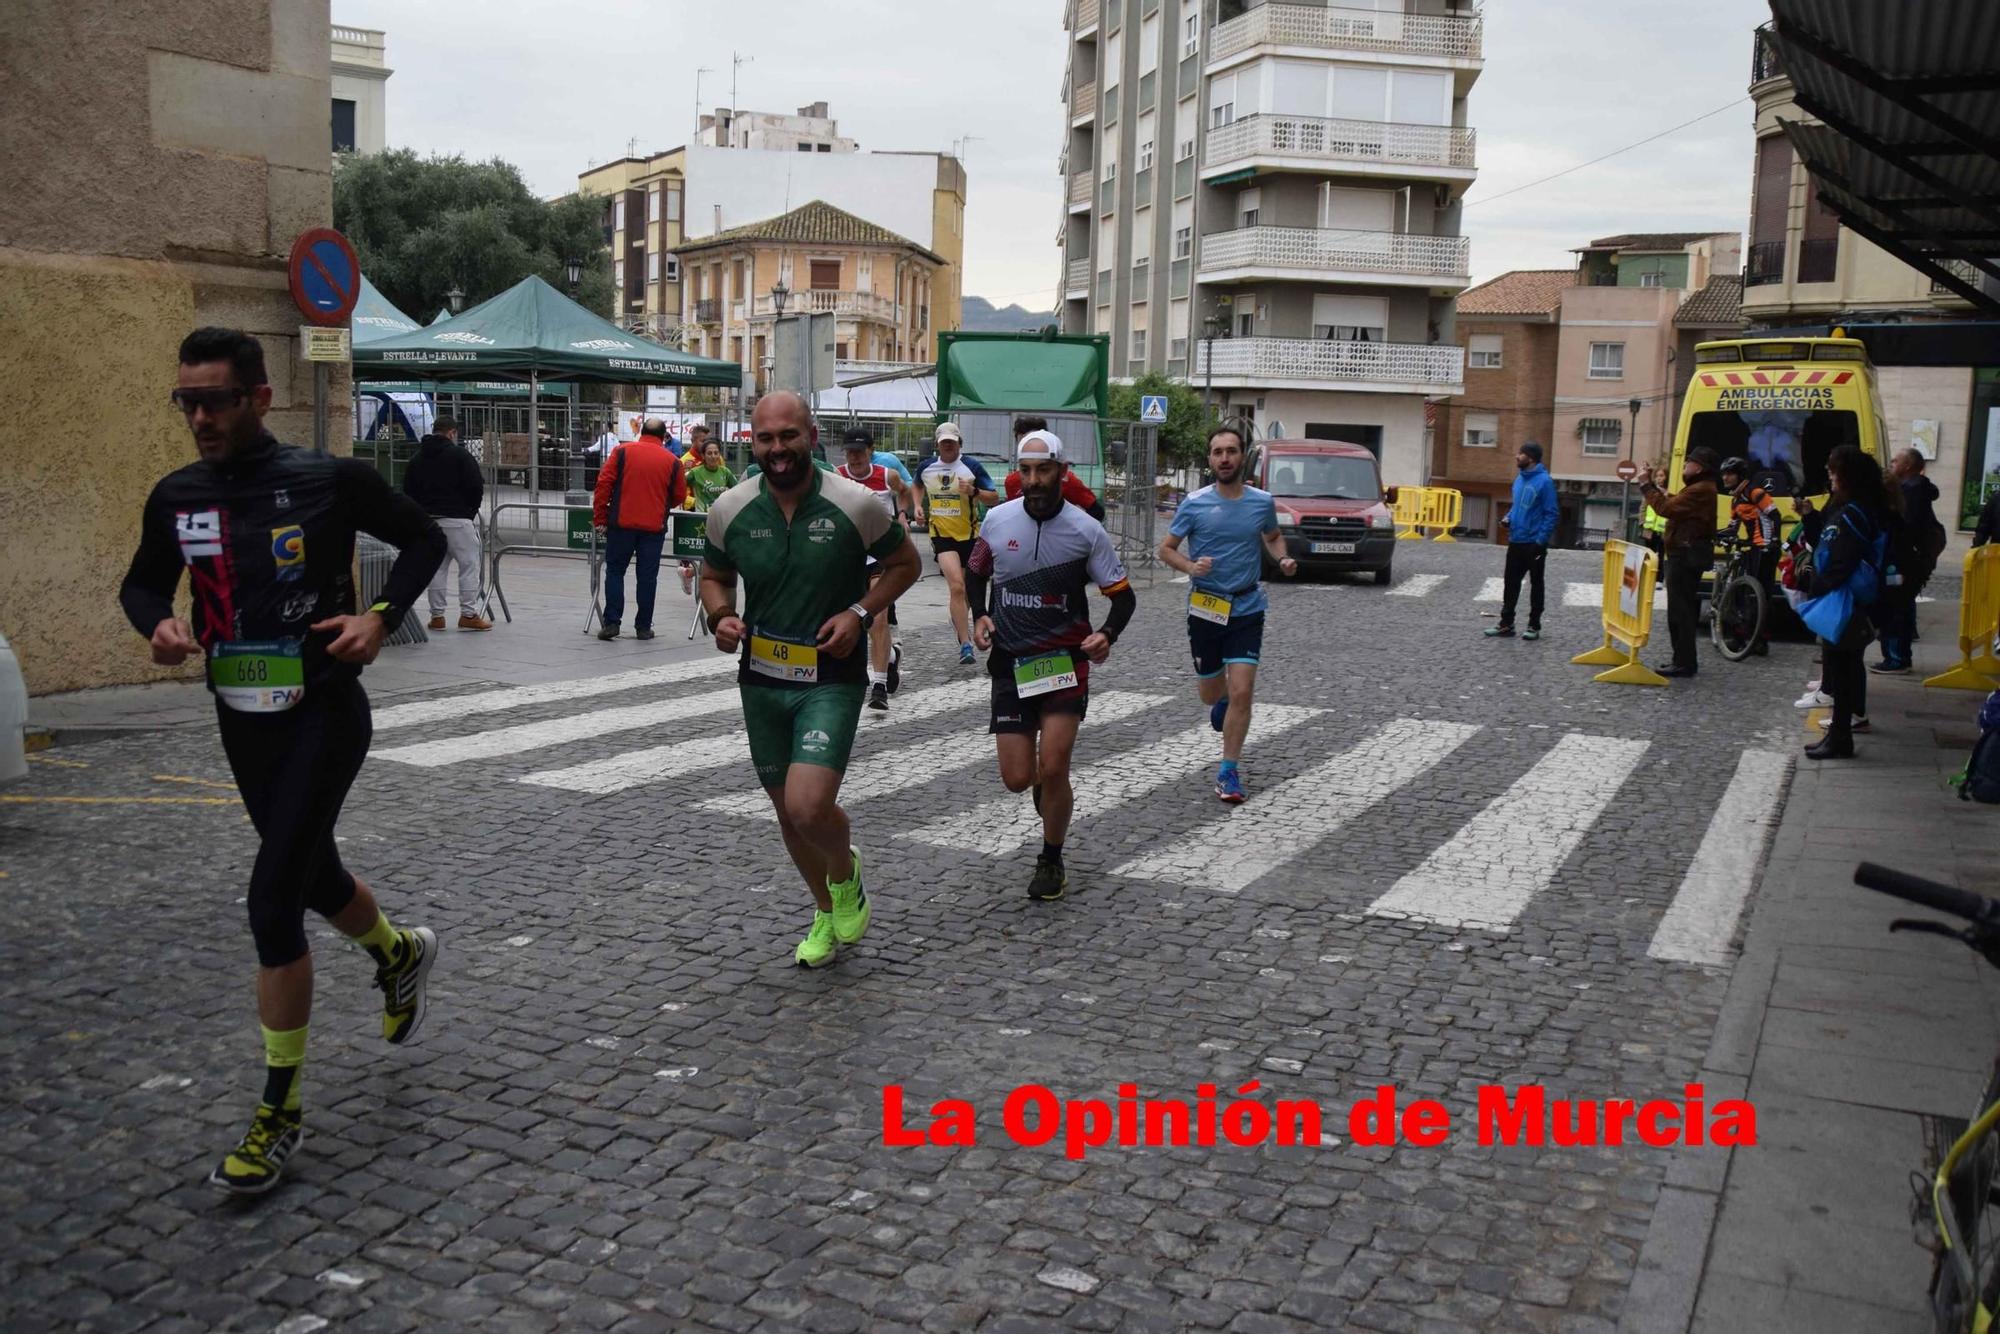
<point>1532,450</point>
<point>858,436</point>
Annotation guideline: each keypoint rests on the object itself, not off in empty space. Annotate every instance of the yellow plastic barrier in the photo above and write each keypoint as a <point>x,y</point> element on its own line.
<point>1409,509</point>
<point>1978,622</point>
<point>1443,509</point>
<point>1628,617</point>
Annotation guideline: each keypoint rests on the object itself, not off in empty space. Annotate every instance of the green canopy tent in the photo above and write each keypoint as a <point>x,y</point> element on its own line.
<point>375,316</point>
<point>441,316</point>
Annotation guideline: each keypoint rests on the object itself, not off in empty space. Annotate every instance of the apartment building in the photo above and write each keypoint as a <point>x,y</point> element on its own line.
<point>1560,356</point>
<point>878,286</point>
<point>644,208</point>
<point>1807,271</point>
<point>750,166</point>
<point>360,84</point>
<point>1263,199</point>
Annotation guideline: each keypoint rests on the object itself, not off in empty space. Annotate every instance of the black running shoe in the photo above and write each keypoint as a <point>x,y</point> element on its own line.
<point>895,667</point>
<point>1049,880</point>
<point>254,1166</point>
<point>878,697</point>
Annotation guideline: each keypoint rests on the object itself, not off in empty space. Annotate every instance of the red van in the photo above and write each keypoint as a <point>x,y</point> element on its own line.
<point>1330,502</point>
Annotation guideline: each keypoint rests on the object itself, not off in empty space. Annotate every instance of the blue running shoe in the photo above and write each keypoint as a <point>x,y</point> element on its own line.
<point>1229,786</point>
<point>1217,712</point>
<point>965,658</point>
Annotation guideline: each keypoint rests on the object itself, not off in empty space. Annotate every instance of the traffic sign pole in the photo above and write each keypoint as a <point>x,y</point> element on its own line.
<point>326,282</point>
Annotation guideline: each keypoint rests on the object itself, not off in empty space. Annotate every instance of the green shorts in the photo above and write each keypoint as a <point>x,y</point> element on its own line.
<point>810,726</point>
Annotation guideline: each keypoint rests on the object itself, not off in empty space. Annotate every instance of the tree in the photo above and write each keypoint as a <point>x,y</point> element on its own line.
<point>422,225</point>
<point>1184,436</point>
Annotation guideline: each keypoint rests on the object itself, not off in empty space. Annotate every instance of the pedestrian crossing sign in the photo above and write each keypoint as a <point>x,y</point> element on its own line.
<point>1152,407</point>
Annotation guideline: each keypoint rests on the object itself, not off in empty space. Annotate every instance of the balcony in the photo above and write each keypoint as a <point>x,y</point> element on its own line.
<point>1764,263</point>
<point>1329,363</point>
<point>1079,192</point>
<point>1316,144</point>
<point>1336,255</point>
<point>849,305</point>
<point>1077,288</point>
<point>708,311</point>
<point>1764,63</point>
<point>1083,102</point>
<point>1309,28</point>
<point>1819,259</point>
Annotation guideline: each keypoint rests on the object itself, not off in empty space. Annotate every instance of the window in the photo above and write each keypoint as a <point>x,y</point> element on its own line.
<point>343,125</point>
<point>1149,44</point>
<point>805,148</point>
<point>1146,156</point>
<point>1482,352</point>
<point>1652,280</point>
<point>866,278</point>
<point>1183,242</point>
<point>1600,437</point>
<point>1142,272</point>
<point>1607,361</point>
<point>826,148</point>
<point>825,275</point>
<point>653,264</point>
<point>653,204</point>
<point>1362,319</point>
<point>1246,323</point>
<point>618,273</point>
<point>1482,430</point>
<point>618,214</point>
<point>1248,207</point>
<point>1138,345</point>
<point>673,201</point>
<point>673,273</point>
<point>1191,35</point>
<point>1185,151</point>
<point>1110,170</point>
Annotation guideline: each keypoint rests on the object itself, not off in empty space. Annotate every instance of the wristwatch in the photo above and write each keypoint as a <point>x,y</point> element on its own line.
<point>391,614</point>
<point>867,616</point>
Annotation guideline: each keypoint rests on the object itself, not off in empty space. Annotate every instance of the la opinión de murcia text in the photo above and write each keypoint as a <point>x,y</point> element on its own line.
<point>1033,1116</point>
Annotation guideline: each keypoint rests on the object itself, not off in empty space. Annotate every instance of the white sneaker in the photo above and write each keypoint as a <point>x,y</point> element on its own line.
<point>1813,699</point>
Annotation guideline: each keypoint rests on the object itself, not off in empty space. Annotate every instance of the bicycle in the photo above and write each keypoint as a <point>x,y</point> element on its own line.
<point>1960,1187</point>
<point>1739,604</point>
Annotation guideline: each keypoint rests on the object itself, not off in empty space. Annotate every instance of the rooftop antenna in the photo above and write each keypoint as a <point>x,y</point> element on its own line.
<point>632,146</point>
<point>736,64</point>
<point>697,97</point>
<point>958,148</point>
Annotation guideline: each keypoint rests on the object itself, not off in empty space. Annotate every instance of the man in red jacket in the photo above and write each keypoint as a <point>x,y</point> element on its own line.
<point>640,485</point>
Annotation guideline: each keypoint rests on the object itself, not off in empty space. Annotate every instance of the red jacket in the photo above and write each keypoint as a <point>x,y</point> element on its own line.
<point>1074,491</point>
<point>638,486</point>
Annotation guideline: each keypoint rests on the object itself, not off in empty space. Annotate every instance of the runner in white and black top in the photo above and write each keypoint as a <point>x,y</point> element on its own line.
<point>1034,559</point>
<point>892,495</point>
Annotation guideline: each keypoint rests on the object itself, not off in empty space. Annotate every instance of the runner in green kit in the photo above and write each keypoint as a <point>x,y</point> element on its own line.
<point>706,483</point>
<point>799,537</point>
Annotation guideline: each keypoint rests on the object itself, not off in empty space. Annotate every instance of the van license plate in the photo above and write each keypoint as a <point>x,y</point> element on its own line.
<point>1333,548</point>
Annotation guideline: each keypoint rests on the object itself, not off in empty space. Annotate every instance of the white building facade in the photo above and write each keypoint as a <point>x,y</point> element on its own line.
<point>360,80</point>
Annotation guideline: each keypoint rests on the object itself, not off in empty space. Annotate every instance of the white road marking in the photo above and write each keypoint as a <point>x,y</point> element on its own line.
<point>664,712</point>
<point>1583,595</point>
<point>1483,875</point>
<point>1299,814</point>
<point>925,759</point>
<point>1701,921</point>
<point>658,763</point>
<point>1417,585</point>
<point>517,697</point>
<point>1493,590</point>
<point>1002,825</point>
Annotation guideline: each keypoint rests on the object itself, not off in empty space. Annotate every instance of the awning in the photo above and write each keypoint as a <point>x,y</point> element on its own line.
<point>1611,424</point>
<point>1908,151</point>
<point>532,329</point>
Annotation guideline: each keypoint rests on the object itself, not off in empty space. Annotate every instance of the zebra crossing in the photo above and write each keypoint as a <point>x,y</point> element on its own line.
<point>1482,876</point>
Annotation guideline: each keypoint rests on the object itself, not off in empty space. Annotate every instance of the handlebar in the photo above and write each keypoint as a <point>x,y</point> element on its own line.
<point>1975,908</point>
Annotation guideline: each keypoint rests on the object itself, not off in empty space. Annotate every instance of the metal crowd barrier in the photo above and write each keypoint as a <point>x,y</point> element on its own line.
<point>496,547</point>
<point>377,557</point>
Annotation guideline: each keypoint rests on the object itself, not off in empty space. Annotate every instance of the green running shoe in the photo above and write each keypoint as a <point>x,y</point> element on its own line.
<point>405,985</point>
<point>255,1164</point>
<point>851,909</point>
<point>1050,880</point>
<point>818,948</point>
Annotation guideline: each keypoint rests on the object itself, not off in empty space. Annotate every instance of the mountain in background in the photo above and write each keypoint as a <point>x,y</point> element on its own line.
<point>978,315</point>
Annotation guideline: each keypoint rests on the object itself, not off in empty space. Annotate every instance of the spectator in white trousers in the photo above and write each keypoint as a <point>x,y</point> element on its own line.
<point>444,479</point>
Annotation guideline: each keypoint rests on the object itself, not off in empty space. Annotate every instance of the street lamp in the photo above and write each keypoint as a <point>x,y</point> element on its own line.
<point>1211,329</point>
<point>456,298</point>
<point>780,294</point>
<point>573,269</point>
<point>1625,486</point>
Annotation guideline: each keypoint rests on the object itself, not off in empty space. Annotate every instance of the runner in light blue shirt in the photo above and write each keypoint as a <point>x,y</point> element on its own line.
<point>1228,527</point>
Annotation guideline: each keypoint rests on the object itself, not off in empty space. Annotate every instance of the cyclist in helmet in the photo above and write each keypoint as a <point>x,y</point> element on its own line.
<point>1753,510</point>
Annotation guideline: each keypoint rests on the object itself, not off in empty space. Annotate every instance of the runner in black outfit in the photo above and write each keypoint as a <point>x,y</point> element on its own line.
<point>266,535</point>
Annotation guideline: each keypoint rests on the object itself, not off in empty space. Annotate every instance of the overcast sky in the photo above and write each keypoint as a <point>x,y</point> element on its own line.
<point>556,89</point>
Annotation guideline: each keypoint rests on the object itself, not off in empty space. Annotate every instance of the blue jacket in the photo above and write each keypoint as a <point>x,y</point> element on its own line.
<point>1533,518</point>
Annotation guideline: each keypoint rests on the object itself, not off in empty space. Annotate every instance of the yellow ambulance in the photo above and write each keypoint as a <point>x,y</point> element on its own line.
<point>1782,405</point>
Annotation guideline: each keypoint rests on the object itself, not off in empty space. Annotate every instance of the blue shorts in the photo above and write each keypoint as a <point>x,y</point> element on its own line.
<point>1215,646</point>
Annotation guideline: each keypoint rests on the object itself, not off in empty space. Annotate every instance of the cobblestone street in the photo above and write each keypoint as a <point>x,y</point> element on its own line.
<point>629,1111</point>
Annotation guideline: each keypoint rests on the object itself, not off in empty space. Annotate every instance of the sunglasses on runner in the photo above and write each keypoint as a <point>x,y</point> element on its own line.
<point>214,400</point>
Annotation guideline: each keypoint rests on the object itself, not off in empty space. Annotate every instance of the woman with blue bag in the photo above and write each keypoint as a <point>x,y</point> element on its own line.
<point>1846,579</point>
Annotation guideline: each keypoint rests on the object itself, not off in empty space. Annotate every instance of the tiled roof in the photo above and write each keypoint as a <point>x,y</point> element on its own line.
<point>1649,240</point>
<point>1522,292</point>
<point>817,223</point>
<point>1716,306</point>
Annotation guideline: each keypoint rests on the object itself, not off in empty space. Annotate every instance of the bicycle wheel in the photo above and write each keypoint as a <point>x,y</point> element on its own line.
<point>1736,618</point>
<point>1967,1276</point>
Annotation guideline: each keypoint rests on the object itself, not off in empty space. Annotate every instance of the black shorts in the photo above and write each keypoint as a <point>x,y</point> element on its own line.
<point>1216,646</point>
<point>1014,716</point>
<point>960,547</point>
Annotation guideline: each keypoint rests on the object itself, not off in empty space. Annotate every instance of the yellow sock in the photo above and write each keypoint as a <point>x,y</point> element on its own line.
<point>284,1061</point>
<point>381,940</point>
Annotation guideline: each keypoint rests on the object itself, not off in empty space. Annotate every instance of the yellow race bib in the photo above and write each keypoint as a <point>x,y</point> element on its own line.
<point>784,659</point>
<point>1209,607</point>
